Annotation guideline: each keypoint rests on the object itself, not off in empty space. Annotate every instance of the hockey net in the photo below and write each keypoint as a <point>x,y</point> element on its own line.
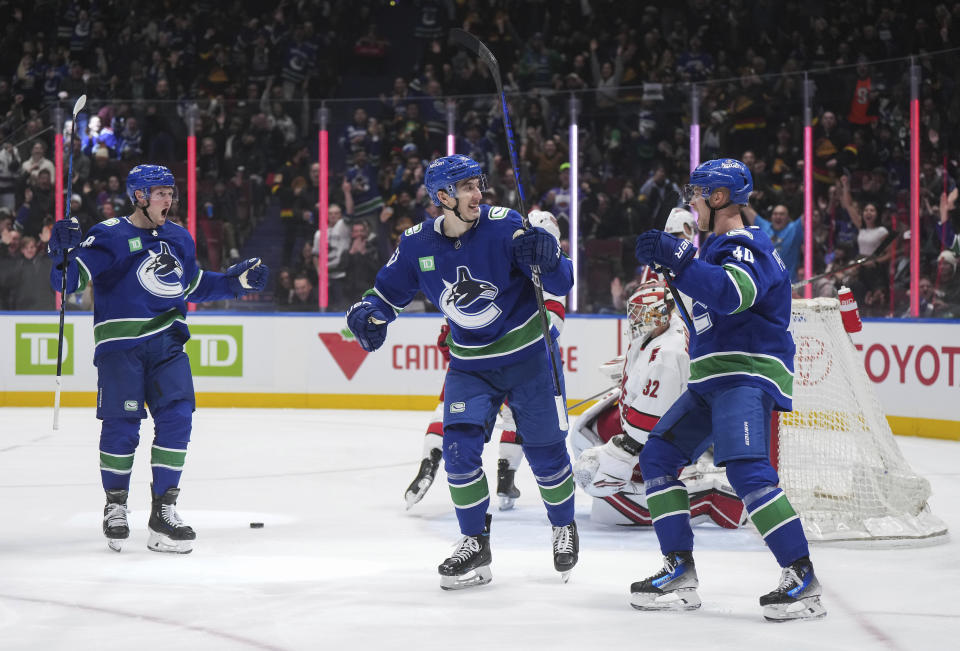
<point>838,460</point>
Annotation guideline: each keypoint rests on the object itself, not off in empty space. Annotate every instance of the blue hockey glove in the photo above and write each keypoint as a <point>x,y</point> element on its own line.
<point>536,247</point>
<point>65,236</point>
<point>659,248</point>
<point>248,276</point>
<point>368,324</point>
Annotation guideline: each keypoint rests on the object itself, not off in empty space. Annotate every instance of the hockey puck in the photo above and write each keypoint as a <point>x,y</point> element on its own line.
<point>256,525</point>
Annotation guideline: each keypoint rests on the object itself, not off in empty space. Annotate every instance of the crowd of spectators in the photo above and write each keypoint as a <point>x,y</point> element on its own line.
<point>249,82</point>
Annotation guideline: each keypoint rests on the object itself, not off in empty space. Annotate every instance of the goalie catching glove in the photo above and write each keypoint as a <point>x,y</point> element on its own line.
<point>247,276</point>
<point>606,469</point>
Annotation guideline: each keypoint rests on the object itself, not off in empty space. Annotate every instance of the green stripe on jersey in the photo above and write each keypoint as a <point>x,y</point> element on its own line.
<point>134,328</point>
<point>745,287</point>
<point>763,366</point>
<point>554,495</point>
<point>119,463</point>
<point>670,501</point>
<point>84,276</point>
<point>193,283</point>
<point>519,337</point>
<point>470,494</point>
<point>167,457</point>
<point>773,514</point>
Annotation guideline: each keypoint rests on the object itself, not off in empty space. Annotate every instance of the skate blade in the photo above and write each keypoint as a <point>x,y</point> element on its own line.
<point>685,599</point>
<point>809,608</point>
<point>506,503</point>
<point>160,543</point>
<point>478,576</point>
<point>565,576</point>
<point>417,491</point>
<point>116,544</point>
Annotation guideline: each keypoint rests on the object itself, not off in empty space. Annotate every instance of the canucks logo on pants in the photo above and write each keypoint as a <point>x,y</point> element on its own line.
<point>160,273</point>
<point>469,301</point>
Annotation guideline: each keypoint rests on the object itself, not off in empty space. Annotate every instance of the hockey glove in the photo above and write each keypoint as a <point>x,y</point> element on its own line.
<point>665,250</point>
<point>65,236</point>
<point>442,341</point>
<point>536,247</point>
<point>606,469</point>
<point>368,324</point>
<point>247,276</point>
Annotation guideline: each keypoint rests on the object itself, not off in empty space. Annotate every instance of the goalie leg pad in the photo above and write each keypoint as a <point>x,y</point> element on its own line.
<point>462,450</point>
<point>554,475</point>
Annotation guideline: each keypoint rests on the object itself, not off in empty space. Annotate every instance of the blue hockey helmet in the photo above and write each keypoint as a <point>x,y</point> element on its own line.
<point>720,173</point>
<point>144,177</point>
<point>444,173</point>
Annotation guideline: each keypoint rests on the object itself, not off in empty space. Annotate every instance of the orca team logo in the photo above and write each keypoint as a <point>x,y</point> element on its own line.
<point>160,273</point>
<point>469,301</point>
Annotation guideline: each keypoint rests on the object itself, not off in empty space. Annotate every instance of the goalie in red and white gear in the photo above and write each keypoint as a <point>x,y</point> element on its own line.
<point>609,436</point>
<point>511,451</point>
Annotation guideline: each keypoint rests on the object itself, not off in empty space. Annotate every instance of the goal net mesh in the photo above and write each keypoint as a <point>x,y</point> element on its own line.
<point>838,460</point>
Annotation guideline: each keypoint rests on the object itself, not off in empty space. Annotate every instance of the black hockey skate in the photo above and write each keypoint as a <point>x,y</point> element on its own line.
<point>566,549</point>
<point>115,526</point>
<point>469,565</point>
<point>424,479</point>
<point>797,596</point>
<point>168,533</point>
<point>672,588</point>
<point>507,491</point>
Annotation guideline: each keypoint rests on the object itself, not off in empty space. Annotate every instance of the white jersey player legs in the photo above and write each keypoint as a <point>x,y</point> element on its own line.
<point>430,459</point>
<point>510,457</point>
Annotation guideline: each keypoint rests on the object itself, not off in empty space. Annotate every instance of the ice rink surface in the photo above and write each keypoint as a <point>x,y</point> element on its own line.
<point>340,564</point>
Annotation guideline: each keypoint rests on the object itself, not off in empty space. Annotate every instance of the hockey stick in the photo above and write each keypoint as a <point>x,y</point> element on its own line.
<point>593,397</point>
<point>472,43</point>
<point>884,245</point>
<point>669,201</point>
<point>81,102</point>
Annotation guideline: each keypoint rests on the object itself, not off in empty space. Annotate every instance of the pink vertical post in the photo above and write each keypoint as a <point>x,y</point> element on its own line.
<point>914,189</point>
<point>451,127</point>
<point>574,230</point>
<point>323,278</point>
<point>192,180</point>
<point>807,184</point>
<point>694,127</point>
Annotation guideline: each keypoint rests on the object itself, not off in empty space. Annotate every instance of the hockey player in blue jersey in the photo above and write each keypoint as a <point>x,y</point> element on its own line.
<point>144,270</point>
<point>474,263</point>
<point>741,370</point>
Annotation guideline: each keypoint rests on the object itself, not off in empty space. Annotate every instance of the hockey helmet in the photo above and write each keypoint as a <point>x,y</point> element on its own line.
<point>721,173</point>
<point>444,173</point>
<point>680,217</point>
<point>649,308</point>
<point>545,220</point>
<point>145,177</point>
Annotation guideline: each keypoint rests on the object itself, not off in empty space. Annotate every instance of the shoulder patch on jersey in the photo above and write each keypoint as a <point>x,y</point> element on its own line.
<point>740,231</point>
<point>113,221</point>
<point>498,212</point>
<point>413,229</point>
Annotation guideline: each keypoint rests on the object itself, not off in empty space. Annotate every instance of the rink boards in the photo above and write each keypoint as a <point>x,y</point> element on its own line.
<point>312,362</point>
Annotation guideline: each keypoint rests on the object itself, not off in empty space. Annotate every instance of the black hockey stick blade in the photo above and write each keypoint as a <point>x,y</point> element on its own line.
<point>470,42</point>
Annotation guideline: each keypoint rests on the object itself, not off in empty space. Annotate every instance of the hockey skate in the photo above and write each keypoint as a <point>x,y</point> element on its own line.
<point>507,491</point>
<point>797,596</point>
<point>469,565</point>
<point>168,533</point>
<point>672,588</point>
<point>115,526</point>
<point>566,549</point>
<point>424,479</point>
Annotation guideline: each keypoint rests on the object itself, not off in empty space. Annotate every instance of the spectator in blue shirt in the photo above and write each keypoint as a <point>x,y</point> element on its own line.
<point>786,235</point>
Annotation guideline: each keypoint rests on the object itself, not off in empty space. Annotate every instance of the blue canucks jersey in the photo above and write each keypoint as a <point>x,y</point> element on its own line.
<point>488,299</point>
<point>142,280</point>
<point>741,312</point>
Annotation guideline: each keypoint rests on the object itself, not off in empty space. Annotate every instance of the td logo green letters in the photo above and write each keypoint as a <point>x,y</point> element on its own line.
<point>216,350</point>
<point>36,346</point>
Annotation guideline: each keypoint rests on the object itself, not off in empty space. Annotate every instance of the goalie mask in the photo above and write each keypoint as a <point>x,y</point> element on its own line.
<point>649,308</point>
